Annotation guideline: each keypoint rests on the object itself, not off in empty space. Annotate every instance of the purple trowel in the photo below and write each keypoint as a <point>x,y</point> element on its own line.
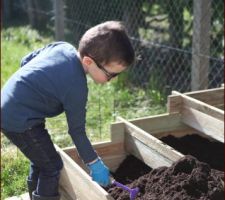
<point>133,191</point>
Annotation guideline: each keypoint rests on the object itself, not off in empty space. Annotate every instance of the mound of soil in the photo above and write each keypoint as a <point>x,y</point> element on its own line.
<point>210,152</point>
<point>130,169</point>
<point>186,179</point>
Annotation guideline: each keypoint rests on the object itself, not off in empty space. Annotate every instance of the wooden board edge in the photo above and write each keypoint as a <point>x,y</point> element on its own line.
<point>206,124</point>
<point>73,173</point>
<point>151,141</point>
<point>200,106</point>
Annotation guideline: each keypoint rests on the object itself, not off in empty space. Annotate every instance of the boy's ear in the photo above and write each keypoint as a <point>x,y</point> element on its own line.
<point>87,60</point>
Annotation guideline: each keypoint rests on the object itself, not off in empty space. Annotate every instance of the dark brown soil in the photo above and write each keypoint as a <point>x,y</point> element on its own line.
<point>204,150</point>
<point>130,169</point>
<point>187,179</point>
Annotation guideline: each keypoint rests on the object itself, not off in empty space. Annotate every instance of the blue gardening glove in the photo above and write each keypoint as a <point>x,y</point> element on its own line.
<point>99,172</point>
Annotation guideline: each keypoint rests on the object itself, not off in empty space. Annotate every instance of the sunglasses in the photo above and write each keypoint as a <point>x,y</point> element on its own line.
<point>108,74</point>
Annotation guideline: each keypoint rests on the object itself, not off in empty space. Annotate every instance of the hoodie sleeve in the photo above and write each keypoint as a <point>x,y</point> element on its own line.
<point>75,109</point>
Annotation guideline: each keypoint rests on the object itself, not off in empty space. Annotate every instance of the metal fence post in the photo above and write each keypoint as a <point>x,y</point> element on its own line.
<point>30,13</point>
<point>59,19</point>
<point>6,10</point>
<point>201,44</point>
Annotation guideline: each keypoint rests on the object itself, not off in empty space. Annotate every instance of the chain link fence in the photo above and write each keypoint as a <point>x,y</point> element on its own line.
<point>179,44</point>
<point>174,39</point>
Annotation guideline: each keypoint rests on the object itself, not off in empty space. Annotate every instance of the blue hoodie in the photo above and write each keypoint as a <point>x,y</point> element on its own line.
<point>51,80</point>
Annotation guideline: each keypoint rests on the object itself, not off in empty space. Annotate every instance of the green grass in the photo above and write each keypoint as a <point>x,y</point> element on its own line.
<point>105,103</point>
<point>14,171</point>
<point>16,43</point>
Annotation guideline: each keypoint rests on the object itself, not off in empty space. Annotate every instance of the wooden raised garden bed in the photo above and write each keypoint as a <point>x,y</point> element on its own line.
<point>199,112</point>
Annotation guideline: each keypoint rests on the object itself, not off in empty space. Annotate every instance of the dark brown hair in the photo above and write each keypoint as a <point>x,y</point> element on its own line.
<point>107,42</point>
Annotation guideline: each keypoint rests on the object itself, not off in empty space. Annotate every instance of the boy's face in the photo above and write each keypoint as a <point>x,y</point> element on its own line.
<point>102,74</point>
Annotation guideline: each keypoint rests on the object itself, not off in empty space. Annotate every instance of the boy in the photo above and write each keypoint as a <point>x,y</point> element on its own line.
<point>52,80</point>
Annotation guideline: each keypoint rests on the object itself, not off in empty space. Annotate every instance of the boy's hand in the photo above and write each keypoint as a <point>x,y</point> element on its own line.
<point>99,172</point>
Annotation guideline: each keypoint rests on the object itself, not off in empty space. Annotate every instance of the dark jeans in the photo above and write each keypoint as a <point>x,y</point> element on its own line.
<point>46,163</point>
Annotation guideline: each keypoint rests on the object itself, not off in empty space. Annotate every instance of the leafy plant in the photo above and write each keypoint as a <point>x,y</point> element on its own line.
<point>153,88</point>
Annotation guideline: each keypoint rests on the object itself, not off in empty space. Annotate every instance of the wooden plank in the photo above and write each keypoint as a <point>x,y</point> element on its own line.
<point>159,123</point>
<point>24,196</point>
<point>174,103</point>
<point>113,162</point>
<point>102,148</point>
<point>117,132</point>
<point>109,148</point>
<point>162,124</point>
<point>148,155</point>
<point>204,123</point>
<point>72,152</point>
<point>203,117</point>
<point>64,195</point>
<point>200,106</point>
<point>13,198</point>
<point>111,153</point>
<point>75,182</point>
<point>151,142</point>
<point>221,107</point>
<point>213,97</point>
